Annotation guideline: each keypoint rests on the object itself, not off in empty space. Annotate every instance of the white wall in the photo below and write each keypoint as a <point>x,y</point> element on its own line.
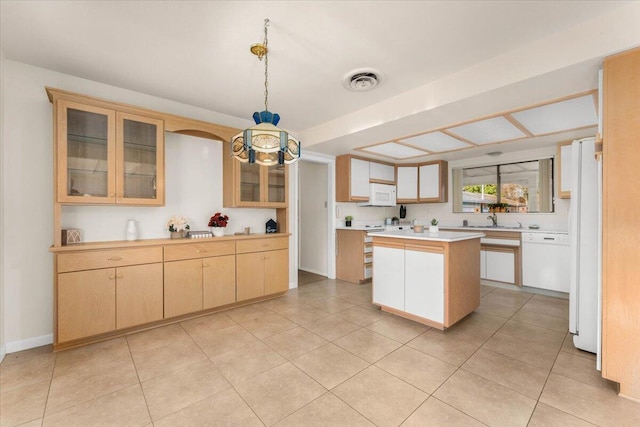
<point>27,193</point>
<point>2,206</point>
<point>313,178</point>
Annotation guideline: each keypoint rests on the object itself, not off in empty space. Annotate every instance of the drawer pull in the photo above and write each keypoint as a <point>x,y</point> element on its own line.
<point>112,276</point>
<point>118,276</point>
<point>205,265</point>
<point>201,251</point>
<point>114,258</point>
<point>112,194</point>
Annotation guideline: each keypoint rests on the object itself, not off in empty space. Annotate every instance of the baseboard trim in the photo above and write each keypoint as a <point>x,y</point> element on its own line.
<point>15,346</point>
<point>3,352</point>
<point>314,271</point>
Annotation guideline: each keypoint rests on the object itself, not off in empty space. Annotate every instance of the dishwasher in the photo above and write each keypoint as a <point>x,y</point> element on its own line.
<point>546,261</point>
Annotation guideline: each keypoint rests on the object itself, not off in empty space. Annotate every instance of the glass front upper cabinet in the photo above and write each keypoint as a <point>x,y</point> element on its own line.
<point>108,157</point>
<point>276,184</point>
<point>249,183</point>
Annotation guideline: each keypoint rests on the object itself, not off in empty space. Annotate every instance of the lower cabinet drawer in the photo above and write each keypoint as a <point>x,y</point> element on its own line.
<point>260,245</point>
<point>199,250</point>
<point>91,260</point>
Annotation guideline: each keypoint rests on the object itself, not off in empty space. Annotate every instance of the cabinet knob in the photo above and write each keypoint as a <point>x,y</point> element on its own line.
<point>112,276</point>
<point>114,258</point>
<point>205,265</point>
<point>118,195</point>
<point>112,194</point>
<point>118,276</point>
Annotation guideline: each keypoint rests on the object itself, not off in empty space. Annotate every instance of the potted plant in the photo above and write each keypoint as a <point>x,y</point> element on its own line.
<point>433,228</point>
<point>177,226</point>
<point>218,223</point>
<point>347,220</point>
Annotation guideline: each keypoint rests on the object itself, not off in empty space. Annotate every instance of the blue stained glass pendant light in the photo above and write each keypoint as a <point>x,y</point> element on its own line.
<point>265,143</point>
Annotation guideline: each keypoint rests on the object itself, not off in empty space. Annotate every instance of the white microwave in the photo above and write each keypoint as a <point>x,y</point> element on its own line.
<point>381,195</point>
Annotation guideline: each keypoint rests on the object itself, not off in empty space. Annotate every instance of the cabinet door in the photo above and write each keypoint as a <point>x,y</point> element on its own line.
<point>483,264</point>
<point>430,182</point>
<point>139,160</point>
<point>388,277</point>
<point>275,185</point>
<point>500,266</point>
<point>249,276</point>
<point>359,178</point>
<point>350,255</point>
<point>182,287</point>
<point>276,271</point>
<point>424,284</point>
<point>248,177</point>
<point>382,172</point>
<point>86,303</point>
<point>564,172</point>
<point>86,151</point>
<point>407,183</point>
<point>139,295</point>
<point>218,281</point>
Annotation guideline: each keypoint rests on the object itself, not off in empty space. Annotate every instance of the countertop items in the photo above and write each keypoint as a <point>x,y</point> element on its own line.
<point>442,236</point>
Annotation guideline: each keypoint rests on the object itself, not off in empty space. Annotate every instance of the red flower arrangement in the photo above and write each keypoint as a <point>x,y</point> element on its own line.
<point>218,220</point>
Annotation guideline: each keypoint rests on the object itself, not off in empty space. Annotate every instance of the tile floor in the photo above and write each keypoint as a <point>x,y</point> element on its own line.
<point>323,355</point>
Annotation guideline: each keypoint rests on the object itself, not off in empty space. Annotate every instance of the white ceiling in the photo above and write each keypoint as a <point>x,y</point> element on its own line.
<point>444,62</point>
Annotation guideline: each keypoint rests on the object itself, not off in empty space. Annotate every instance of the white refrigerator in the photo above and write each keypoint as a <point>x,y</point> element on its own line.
<point>585,225</point>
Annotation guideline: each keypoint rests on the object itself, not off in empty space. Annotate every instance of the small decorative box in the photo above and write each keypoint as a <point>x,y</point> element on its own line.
<point>71,236</point>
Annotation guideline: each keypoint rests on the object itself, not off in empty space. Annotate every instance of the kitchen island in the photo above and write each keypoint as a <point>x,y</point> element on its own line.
<point>431,278</point>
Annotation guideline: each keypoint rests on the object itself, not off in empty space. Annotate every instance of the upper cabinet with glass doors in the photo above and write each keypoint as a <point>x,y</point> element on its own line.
<point>106,156</point>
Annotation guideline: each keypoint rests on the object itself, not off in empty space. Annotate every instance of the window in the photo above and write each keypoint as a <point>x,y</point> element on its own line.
<point>522,187</point>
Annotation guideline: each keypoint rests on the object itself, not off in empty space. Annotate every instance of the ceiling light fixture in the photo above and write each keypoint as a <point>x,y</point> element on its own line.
<point>265,143</point>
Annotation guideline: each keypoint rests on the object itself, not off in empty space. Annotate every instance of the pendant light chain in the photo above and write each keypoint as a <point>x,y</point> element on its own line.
<point>266,67</point>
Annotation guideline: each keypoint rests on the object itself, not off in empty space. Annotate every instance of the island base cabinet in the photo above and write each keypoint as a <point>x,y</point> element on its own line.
<point>388,277</point>
<point>86,303</point>
<point>424,283</point>
<point>219,281</point>
<point>182,287</point>
<point>139,295</point>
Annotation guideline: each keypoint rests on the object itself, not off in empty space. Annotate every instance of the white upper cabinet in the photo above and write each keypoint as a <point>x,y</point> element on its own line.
<point>433,179</point>
<point>381,172</point>
<point>407,190</point>
<point>564,170</point>
<point>359,178</point>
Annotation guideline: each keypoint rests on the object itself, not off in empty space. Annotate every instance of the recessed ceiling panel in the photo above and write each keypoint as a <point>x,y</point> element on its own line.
<point>436,142</point>
<point>559,116</point>
<point>495,129</point>
<point>394,150</point>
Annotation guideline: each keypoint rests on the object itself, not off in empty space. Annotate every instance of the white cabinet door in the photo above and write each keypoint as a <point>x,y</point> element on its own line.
<point>501,266</point>
<point>388,277</point>
<point>483,264</point>
<point>424,284</point>
<point>407,185</point>
<point>565,171</point>
<point>430,181</point>
<point>381,172</point>
<point>359,178</point>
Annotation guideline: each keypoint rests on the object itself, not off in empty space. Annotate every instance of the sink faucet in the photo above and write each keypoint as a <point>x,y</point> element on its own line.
<point>494,219</point>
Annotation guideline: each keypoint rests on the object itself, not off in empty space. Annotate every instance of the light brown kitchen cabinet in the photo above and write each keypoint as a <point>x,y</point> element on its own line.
<point>262,267</point>
<point>104,156</point>
<point>194,272</point>
<point>105,290</point>
<point>354,256</point>
<point>563,159</point>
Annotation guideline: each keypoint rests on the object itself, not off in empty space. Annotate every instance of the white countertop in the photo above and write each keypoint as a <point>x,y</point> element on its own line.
<point>360,228</point>
<point>442,236</point>
<point>519,230</point>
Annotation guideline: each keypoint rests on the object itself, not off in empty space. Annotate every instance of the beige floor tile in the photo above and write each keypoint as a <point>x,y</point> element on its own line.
<point>302,314</point>
<point>201,327</point>
<point>331,305</point>
<point>593,404</point>
<point>247,362</point>
<point>169,393</point>
<point>356,297</point>
<point>580,369</point>
<point>26,371</point>
<point>332,327</point>
<point>87,384</point>
<point>21,356</point>
<point>542,320</point>
<point>434,413</point>
<point>555,307</point>
<point>23,404</point>
<point>279,392</point>
<point>417,368</point>
<point>540,355</point>
<point>507,371</point>
<point>123,407</point>
<point>546,416</point>
<point>485,400</point>
<point>247,313</point>
<point>295,342</point>
<point>397,328</point>
<point>362,316</point>
<point>368,345</point>
<point>268,325</point>
<point>330,365</point>
<point>484,320</point>
<point>469,332</point>
<point>447,348</point>
<point>224,340</point>
<point>326,410</point>
<point>34,423</point>
<point>486,290</point>
<point>162,360</point>
<point>515,295</point>
<point>285,302</point>
<point>498,309</point>
<point>379,396</point>
<point>567,346</point>
<point>92,356</point>
<point>223,409</point>
<point>533,334</point>
<point>159,337</point>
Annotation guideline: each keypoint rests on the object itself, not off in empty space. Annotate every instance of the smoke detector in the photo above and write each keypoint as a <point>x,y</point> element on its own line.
<point>362,79</point>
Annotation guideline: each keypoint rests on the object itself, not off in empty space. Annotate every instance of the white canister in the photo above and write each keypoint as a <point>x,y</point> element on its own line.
<point>132,230</point>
